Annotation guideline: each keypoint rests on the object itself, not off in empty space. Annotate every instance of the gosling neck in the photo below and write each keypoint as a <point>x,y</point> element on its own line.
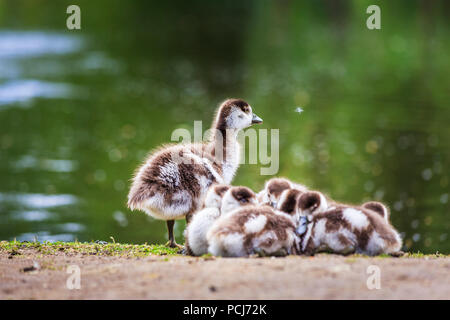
<point>225,142</point>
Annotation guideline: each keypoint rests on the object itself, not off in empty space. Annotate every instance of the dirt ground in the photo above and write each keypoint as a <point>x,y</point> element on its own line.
<point>178,277</point>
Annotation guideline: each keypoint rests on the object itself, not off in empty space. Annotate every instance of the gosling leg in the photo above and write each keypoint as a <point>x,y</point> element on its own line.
<point>171,243</point>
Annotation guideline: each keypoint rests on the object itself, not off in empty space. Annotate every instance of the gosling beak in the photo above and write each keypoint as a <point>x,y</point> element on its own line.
<point>301,229</point>
<point>256,119</point>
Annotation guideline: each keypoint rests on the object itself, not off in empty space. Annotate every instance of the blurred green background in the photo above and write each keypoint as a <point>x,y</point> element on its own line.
<point>79,110</point>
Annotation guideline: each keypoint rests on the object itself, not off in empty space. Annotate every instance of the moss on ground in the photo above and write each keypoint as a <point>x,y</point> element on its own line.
<point>137,250</point>
<point>87,248</point>
<point>424,255</point>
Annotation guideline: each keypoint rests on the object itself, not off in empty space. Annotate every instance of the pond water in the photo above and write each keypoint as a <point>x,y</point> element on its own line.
<point>361,114</point>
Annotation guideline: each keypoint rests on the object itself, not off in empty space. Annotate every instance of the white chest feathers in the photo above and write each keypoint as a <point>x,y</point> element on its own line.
<point>195,233</point>
<point>231,163</point>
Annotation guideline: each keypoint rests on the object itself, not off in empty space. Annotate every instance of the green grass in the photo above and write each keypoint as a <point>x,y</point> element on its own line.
<point>417,255</point>
<point>87,248</point>
<point>16,248</point>
<point>423,255</point>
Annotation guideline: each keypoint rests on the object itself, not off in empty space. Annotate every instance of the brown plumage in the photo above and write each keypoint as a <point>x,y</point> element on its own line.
<point>342,228</point>
<point>172,181</point>
<point>273,189</point>
<point>250,229</point>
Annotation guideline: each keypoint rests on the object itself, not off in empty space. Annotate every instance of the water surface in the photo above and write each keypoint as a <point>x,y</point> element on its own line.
<point>79,110</point>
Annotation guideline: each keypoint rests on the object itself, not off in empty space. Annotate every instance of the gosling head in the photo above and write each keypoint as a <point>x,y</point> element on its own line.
<point>379,208</point>
<point>272,191</point>
<point>288,202</point>
<point>235,114</point>
<point>237,197</point>
<point>311,202</point>
<point>213,198</point>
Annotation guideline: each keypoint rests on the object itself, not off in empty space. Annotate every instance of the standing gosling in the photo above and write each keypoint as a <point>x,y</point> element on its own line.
<point>346,229</point>
<point>173,181</point>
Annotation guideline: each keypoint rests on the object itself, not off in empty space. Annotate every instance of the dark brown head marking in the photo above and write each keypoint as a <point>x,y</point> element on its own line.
<point>221,189</point>
<point>309,201</point>
<point>241,104</point>
<point>276,186</point>
<point>377,207</point>
<point>289,202</point>
<point>225,109</point>
<point>242,194</point>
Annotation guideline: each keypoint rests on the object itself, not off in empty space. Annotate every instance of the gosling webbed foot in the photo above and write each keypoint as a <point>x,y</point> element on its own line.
<point>282,252</point>
<point>397,254</point>
<point>173,244</point>
<point>260,252</point>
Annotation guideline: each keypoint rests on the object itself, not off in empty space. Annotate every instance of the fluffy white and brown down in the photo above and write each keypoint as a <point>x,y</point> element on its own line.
<point>237,197</point>
<point>173,181</point>
<point>257,229</point>
<point>220,200</point>
<point>273,188</point>
<point>195,232</point>
<point>347,229</point>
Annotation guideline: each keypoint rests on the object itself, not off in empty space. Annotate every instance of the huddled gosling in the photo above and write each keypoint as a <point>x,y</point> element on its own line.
<point>346,229</point>
<point>220,200</point>
<point>257,229</point>
<point>273,189</point>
